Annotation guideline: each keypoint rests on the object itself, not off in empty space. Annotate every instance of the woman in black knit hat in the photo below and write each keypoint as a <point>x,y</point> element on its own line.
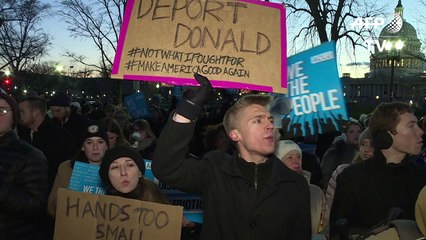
<point>122,172</point>
<point>93,145</point>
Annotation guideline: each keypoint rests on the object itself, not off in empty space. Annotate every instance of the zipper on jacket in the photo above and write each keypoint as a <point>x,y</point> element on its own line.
<point>255,177</point>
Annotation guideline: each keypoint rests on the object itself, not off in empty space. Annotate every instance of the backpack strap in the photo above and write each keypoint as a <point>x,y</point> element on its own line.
<point>407,229</point>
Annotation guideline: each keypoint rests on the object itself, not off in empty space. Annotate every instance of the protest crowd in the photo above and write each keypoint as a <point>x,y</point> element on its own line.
<point>362,178</point>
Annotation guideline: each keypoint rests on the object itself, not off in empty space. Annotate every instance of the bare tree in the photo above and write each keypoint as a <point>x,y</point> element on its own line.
<point>84,73</point>
<point>43,68</point>
<point>326,20</point>
<point>421,32</point>
<point>6,8</point>
<point>98,20</point>
<point>21,41</point>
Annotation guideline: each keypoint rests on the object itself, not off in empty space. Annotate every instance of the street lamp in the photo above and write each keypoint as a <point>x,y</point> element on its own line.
<point>393,49</point>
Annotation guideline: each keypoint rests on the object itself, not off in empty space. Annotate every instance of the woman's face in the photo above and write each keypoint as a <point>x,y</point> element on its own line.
<point>366,149</point>
<point>142,132</point>
<point>94,148</point>
<point>124,174</point>
<point>293,160</point>
<point>353,133</point>
<point>112,138</point>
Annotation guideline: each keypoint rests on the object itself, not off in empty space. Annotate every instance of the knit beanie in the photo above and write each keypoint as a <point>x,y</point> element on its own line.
<point>116,153</point>
<point>13,105</point>
<point>60,100</point>
<point>285,146</point>
<point>94,130</point>
<point>366,134</point>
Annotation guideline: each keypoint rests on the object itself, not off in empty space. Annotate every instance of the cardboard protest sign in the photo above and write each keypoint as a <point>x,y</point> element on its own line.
<point>236,43</point>
<point>90,217</point>
<point>315,90</point>
<point>192,204</point>
<point>136,105</point>
<point>85,178</point>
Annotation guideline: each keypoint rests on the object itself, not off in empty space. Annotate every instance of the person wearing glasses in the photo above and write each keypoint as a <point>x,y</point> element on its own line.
<point>23,179</point>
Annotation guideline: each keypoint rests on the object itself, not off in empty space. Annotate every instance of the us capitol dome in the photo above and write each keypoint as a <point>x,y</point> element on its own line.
<point>409,80</point>
<point>410,57</point>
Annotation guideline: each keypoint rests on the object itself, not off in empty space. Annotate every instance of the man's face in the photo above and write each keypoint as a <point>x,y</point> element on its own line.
<point>408,137</point>
<point>6,119</point>
<point>27,117</point>
<point>60,113</point>
<point>353,133</point>
<point>255,132</point>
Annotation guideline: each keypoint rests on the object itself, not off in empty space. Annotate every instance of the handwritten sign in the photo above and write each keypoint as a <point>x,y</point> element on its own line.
<point>236,43</point>
<point>315,90</point>
<point>88,216</point>
<point>192,204</point>
<point>85,178</point>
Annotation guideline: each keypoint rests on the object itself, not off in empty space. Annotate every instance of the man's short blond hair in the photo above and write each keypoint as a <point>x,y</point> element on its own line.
<point>230,118</point>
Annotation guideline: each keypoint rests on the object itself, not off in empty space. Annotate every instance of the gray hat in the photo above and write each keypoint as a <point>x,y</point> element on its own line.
<point>366,134</point>
<point>285,146</point>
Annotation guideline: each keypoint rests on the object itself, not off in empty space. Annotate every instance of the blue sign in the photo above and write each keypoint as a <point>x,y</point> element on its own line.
<point>178,91</point>
<point>192,204</point>
<point>85,178</point>
<point>315,90</point>
<point>136,105</point>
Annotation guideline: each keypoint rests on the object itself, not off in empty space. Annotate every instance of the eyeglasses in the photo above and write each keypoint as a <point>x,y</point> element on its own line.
<point>4,110</point>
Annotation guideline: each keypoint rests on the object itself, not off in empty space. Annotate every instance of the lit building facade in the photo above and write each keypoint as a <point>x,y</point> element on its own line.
<point>409,78</point>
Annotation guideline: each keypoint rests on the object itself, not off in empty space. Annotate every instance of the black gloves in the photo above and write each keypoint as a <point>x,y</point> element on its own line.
<point>192,104</point>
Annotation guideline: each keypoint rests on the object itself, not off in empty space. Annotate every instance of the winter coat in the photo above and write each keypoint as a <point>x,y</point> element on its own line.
<point>366,191</point>
<point>331,187</point>
<point>146,147</point>
<point>62,180</point>
<point>338,153</point>
<point>76,124</point>
<point>54,141</point>
<point>23,189</point>
<point>233,208</point>
<point>319,209</point>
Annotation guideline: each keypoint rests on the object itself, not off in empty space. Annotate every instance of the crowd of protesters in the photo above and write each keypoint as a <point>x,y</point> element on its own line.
<point>255,182</point>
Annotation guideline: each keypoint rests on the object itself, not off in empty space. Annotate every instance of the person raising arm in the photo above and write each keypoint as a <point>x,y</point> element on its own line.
<point>247,195</point>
